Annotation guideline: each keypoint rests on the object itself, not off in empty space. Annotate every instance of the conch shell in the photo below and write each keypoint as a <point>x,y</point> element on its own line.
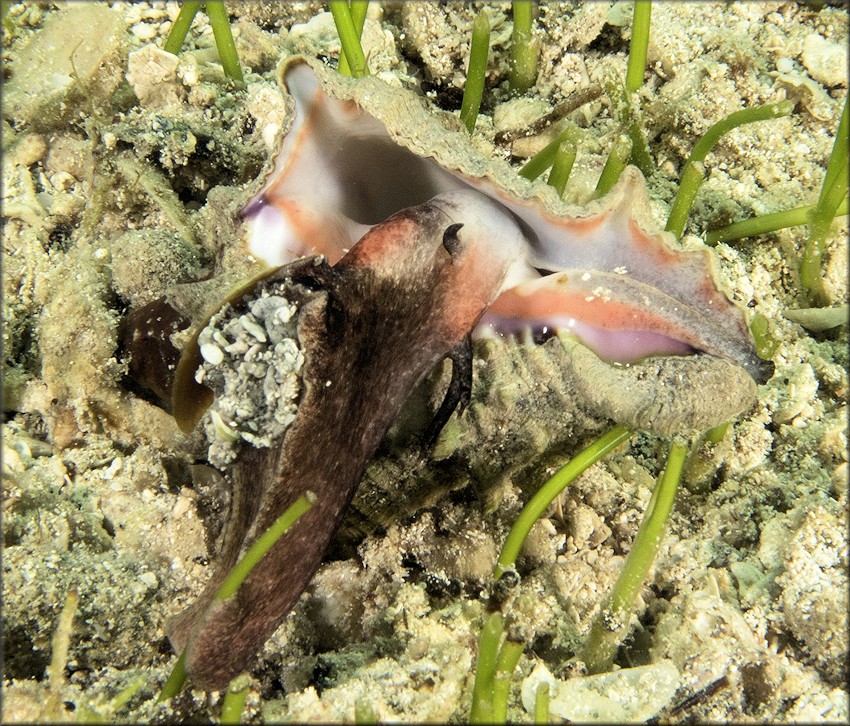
<point>414,240</point>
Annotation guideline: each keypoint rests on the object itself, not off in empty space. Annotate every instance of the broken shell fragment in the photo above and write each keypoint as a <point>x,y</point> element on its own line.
<point>629,695</point>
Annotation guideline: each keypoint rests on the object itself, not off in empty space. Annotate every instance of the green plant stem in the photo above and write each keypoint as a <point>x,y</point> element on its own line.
<point>349,38</point>
<point>692,175</point>
<point>639,44</point>
<point>614,165</point>
<point>224,39</point>
<point>831,198</point>
<point>766,223</point>
<point>175,681</point>
<point>833,191</point>
<point>601,646</point>
<point>736,119</point>
<point>263,544</point>
<point>178,32</point>
<point>838,154</point>
<point>485,671</point>
<point>565,157</point>
<point>629,119</point>
<point>524,50</point>
<point>476,71</point>
<point>541,703</point>
<point>544,158</point>
<point>551,489</point>
<point>358,9</point>
<point>819,219</point>
<point>233,703</point>
<point>640,156</point>
<point>506,662</point>
<point>692,171</point>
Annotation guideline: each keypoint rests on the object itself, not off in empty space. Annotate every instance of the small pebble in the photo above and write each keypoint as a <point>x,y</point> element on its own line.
<point>253,328</point>
<point>825,61</point>
<point>212,354</point>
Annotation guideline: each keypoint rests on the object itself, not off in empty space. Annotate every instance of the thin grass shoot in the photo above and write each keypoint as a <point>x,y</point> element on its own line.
<point>349,38</point>
<point>614,165</point>
<point>176,680</point>
<point>638,45</point>
<point>263,544</point>
<point>833,192</point>
<point>766,223</point>
<point>629,118</point>
<point>180,29</point>
<point>524,49</point>
<point>693,173</point>
<point>602,642</point>
<point>485,670</point>
<point>565,158</point>
<point>233,703</point>
<point>358,10</point>
<point>476,71</point>
<point>544,158</point>
<point>506,663</point>
<point>224,39</point>
<point>541,704</point>
<point>551,489</point>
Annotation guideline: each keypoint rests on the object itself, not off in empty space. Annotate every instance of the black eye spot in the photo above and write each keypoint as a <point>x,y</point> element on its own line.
<point>451,241</point>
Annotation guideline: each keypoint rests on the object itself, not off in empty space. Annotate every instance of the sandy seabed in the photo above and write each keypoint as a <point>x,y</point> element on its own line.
<point>123,172</point>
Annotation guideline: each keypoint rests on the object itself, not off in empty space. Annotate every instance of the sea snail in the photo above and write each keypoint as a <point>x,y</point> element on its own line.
<point>392,254</point>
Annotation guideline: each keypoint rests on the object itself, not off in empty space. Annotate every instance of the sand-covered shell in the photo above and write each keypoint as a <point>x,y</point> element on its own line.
<point>532,405</point>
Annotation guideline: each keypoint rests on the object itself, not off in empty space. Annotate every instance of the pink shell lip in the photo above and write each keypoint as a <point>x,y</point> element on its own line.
<point>623,319</point>
<point>615,346</point>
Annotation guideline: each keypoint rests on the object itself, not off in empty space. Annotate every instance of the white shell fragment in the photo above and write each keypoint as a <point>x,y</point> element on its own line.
<point>253,328</point>
<point>630,695</point>
<point>252,362</point>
